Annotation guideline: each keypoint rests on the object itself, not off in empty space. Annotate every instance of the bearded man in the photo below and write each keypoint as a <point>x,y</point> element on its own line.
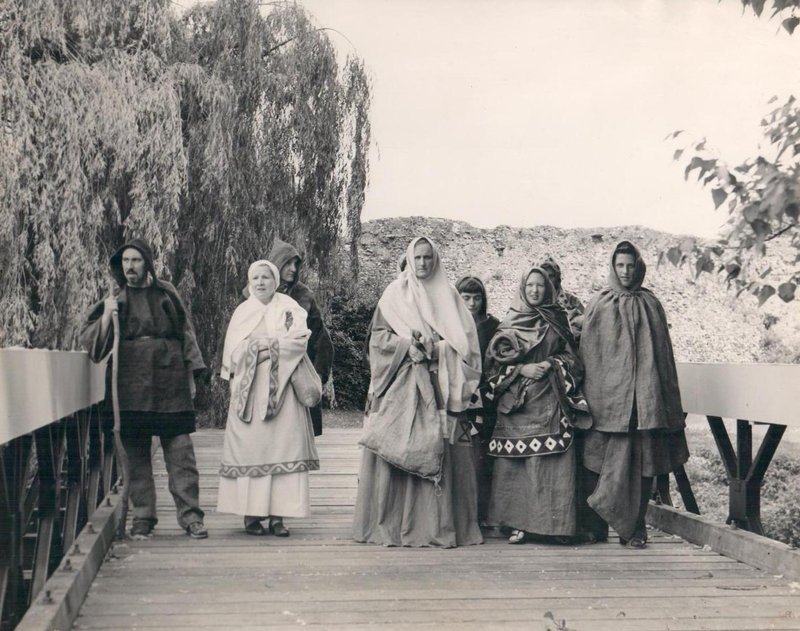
<point>157,361</point>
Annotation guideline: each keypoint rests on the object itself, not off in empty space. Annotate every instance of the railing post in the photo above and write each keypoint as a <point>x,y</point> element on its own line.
<point>14,458</point>
<point>75,504</point>
<point>745,476</point>
<point>49,455</point>
<point>94,464</point>
<point>740,501</point>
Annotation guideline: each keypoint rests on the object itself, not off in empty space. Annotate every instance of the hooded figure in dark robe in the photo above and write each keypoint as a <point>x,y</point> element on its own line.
<point>631,385</point>
<point>320,347</point>
<point>158,358</point>
<point>482,417</point>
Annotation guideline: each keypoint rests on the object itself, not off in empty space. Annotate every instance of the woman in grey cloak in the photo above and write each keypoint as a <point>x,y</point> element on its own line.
<point>631,385</point>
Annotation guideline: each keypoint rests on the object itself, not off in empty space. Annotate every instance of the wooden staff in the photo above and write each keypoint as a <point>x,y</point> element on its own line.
<point>123,466</point>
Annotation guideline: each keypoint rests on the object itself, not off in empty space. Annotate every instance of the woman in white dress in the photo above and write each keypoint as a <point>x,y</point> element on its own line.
<point>269,441</point>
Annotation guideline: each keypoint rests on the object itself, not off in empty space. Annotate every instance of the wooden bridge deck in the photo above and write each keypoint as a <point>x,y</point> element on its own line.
<point>320,577</point>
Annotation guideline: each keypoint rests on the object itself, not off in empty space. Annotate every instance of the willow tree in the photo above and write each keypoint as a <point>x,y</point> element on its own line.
<point>91,149</point>
<point>207,135</point>
<point>285,156</point>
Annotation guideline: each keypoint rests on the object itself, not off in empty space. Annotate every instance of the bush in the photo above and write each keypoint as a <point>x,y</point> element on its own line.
<point>349,323</point>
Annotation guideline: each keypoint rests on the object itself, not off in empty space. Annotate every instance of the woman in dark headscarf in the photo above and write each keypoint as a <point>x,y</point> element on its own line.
<point>473,293</point>
<point>631,385</point>
<point>535,377</point>
<point>571,303</point>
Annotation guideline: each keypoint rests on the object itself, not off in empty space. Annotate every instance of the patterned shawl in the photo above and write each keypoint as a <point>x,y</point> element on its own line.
<point>525,325</point>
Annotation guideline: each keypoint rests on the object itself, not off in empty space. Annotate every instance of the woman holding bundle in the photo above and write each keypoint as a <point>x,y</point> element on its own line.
<point>417,480</point>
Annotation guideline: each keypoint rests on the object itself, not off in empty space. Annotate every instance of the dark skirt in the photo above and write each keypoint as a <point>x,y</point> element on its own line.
<point>536,494</point>
<point>484,465</point>
<point>396,508</point>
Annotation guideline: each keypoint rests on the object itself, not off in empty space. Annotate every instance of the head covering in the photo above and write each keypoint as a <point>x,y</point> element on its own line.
<point>115,262</point>
<point>639,270</point>
<point>430,304</point>
<point>522,301</point>
<point>283,252</point>
<point>627,352</point>
<point>550,264</point>
<point>531,322</point>
<point>249,314</point>
<point>270,266</point>
<point>474,285</point>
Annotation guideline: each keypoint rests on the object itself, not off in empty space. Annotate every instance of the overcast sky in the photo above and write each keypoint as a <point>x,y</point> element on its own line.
<point>527,112</point>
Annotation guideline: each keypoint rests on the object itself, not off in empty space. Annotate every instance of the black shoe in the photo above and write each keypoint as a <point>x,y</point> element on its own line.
<point>141,529</point>
<point>278,529</point>
<point>196,530</point>
<point>255,528</point>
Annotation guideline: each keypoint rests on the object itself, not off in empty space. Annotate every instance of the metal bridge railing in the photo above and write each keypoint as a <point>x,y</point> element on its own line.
<point>56,465</point>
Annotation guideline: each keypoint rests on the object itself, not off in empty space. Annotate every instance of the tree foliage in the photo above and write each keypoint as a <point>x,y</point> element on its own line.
<point>761,195</point>
<point>207,134</point>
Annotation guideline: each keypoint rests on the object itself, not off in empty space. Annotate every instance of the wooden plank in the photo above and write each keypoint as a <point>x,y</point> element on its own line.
<point>494,616</point>
<point>542,624</point>
<point>256,593</point>
<point>319,577</point>
<point>756,392</point>
<point>664,603</point>
<point>738,544</point>
<point>64,592</point>
<point>39,386</point>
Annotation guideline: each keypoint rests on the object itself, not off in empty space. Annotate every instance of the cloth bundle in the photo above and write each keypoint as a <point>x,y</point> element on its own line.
<point>306,383</point>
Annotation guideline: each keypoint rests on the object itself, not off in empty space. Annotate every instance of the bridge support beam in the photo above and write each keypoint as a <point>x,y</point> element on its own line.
<point>745,474</point>
<point>772,556</point>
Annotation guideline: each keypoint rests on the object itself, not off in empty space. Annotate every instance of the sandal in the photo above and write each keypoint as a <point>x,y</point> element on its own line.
<point>278,529</point>
<point>255,528</point>
<point>517,537</point>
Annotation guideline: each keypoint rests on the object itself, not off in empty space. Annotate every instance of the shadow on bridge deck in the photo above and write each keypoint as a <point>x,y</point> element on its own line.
<point>320,577</point>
